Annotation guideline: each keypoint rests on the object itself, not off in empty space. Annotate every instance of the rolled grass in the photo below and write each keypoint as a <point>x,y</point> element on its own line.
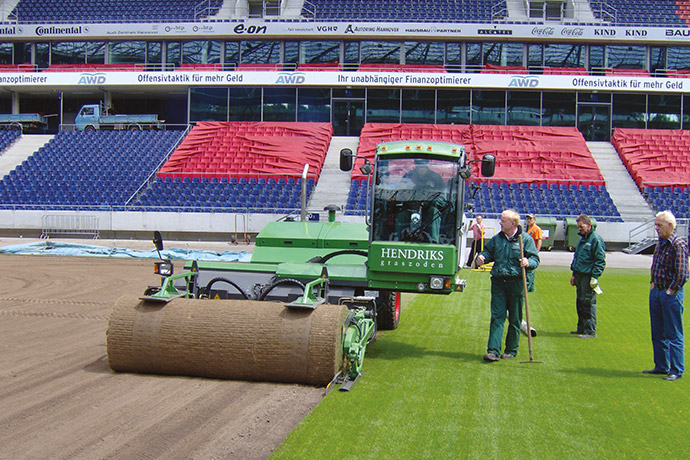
<point>427,394</point>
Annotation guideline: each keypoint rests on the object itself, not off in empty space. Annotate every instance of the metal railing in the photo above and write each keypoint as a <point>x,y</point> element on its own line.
<point>646,230</point>
<point>69,224</point>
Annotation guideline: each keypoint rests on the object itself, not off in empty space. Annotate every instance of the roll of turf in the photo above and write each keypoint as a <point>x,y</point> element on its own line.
<point>227,339</point>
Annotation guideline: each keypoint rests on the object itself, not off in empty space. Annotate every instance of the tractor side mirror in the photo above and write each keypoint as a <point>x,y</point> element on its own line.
<point>488,165</point>
<point>366,167</point>
<point>346,159</point>
<point>158,240</point>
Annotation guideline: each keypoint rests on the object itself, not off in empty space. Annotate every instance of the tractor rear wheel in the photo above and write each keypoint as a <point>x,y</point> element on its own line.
<point>388,312</point>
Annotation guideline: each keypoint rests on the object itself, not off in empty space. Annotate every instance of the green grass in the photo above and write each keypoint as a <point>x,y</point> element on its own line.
<point>427,394</point>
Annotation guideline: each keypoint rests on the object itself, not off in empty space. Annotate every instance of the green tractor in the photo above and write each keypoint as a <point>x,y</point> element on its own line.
<point>410,242</point>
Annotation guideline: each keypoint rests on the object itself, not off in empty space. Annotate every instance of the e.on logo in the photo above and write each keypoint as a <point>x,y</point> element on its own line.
<point>91,79</point>
<point>524,82</point>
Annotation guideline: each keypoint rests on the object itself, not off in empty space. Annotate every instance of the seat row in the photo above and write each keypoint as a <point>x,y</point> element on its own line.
<point>543,199</point>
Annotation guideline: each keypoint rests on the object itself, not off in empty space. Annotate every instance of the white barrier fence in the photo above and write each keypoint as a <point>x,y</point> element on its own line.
<point>69,224</point>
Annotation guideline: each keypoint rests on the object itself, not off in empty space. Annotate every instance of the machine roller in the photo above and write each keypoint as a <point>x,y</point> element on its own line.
<point>228,339</point>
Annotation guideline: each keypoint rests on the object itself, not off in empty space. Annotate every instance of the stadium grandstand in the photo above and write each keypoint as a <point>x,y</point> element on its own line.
<point>585,104</point>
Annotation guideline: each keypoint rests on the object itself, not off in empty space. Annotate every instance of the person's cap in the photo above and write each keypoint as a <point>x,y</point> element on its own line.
<point>530,216</point>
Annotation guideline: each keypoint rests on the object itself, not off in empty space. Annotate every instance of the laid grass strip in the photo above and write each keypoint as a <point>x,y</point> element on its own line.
<point>427,394</point>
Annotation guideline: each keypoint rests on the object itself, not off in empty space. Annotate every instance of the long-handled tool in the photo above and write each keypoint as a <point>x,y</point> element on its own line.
<point>524,284</point>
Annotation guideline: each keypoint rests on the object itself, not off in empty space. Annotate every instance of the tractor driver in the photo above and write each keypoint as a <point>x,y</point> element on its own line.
<point>420,220</point>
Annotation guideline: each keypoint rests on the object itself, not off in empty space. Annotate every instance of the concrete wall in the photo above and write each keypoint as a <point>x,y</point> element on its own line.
<point>209,226</point>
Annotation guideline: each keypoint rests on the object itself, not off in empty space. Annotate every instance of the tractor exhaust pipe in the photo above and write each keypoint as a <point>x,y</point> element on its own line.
<point>303,201</point>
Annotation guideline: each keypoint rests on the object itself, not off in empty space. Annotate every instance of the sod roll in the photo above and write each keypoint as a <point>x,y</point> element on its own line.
<point>227,339</point>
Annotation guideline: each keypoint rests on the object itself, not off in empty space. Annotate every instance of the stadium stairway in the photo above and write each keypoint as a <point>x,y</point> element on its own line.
<point>516,10</point>
<point>622,189</point>
<point>25,146</point>
<point>333,185</point>
<point>582,11</point>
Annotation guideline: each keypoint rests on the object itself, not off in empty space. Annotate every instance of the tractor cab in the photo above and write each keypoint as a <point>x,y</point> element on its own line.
<point>416,206</point>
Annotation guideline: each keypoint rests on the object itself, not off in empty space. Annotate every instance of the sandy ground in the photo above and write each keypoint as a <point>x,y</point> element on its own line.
<point>59,399</point>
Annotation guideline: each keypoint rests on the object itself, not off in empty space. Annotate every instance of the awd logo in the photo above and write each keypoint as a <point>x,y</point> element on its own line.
<point>91,79</point>
<point>519,81</point>
<point>291,78</point>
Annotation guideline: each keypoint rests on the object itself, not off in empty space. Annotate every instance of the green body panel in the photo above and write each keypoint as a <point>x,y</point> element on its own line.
<point>268,256</point>
<point>336,272</point>
<point>402,282</point>
<point>402,266</point>
<point>418,258</point>
<point>300,241</point>
<point>234,266</point>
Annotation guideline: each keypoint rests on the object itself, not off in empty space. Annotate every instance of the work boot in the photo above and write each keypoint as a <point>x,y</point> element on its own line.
<point>507,356</point>
<point>491,357</point>
<point>587,336</point>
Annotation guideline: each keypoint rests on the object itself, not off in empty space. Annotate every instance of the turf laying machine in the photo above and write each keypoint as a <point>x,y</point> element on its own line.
<point>314,293</point>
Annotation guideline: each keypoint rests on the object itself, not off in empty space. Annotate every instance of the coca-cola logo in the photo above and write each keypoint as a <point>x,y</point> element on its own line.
<point>543,31</point>
<point>573,31</point>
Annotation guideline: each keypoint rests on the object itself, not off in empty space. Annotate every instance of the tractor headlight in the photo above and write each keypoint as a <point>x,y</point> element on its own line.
<point>421,287</point>
<point>436,282</point>
<point>163,268</point>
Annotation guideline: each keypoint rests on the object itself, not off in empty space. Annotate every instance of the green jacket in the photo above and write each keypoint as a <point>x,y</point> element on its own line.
<point>504,252</point>
<point>590,255</point>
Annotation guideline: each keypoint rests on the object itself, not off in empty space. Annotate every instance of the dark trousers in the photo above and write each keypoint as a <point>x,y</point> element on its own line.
<point>507,297</point>
<point>474,250</point>
<point>586,305</point>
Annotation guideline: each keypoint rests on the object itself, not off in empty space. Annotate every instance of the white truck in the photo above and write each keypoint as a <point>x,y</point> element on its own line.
<point>95,116</point>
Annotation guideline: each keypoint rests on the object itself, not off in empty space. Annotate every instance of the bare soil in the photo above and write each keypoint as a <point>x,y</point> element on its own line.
<point>60,400</point>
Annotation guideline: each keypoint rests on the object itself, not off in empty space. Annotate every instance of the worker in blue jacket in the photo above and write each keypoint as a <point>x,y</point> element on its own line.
<point>588,265</point>
<point>507,288</point>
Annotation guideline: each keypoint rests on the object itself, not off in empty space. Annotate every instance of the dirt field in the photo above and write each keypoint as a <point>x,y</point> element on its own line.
<point>59,399</point>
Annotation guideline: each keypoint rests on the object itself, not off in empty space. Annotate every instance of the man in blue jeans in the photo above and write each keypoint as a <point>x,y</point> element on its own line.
<point>669,275</point>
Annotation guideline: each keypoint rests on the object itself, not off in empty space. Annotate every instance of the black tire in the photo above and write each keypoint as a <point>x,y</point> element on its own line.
<point>388,312</point>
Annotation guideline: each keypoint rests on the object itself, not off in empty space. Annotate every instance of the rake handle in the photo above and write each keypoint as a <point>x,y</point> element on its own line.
<point>524,285</point>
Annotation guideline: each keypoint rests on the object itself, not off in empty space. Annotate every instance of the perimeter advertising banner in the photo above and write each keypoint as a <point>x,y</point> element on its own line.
<point>26,80</point>
<point>257,29</point>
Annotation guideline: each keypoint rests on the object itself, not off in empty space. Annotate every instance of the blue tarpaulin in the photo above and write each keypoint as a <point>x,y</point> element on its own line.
<point>72,249</point>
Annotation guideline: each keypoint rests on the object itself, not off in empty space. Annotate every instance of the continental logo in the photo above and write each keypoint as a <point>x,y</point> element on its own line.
<point>91,79</point>
<point>9,30</point>
<point>519,81</point>
<point>53,30</point>
<point>290,78</point>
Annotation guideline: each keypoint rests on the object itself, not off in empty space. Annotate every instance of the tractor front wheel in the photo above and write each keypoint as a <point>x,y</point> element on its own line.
<point>388,312</point>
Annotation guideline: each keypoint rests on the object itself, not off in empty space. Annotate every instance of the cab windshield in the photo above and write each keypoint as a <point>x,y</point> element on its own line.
<point>415,200</point>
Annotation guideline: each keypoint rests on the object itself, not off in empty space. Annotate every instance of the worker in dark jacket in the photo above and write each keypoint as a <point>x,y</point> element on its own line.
<point>507,289</point>
<point>588,264</point>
